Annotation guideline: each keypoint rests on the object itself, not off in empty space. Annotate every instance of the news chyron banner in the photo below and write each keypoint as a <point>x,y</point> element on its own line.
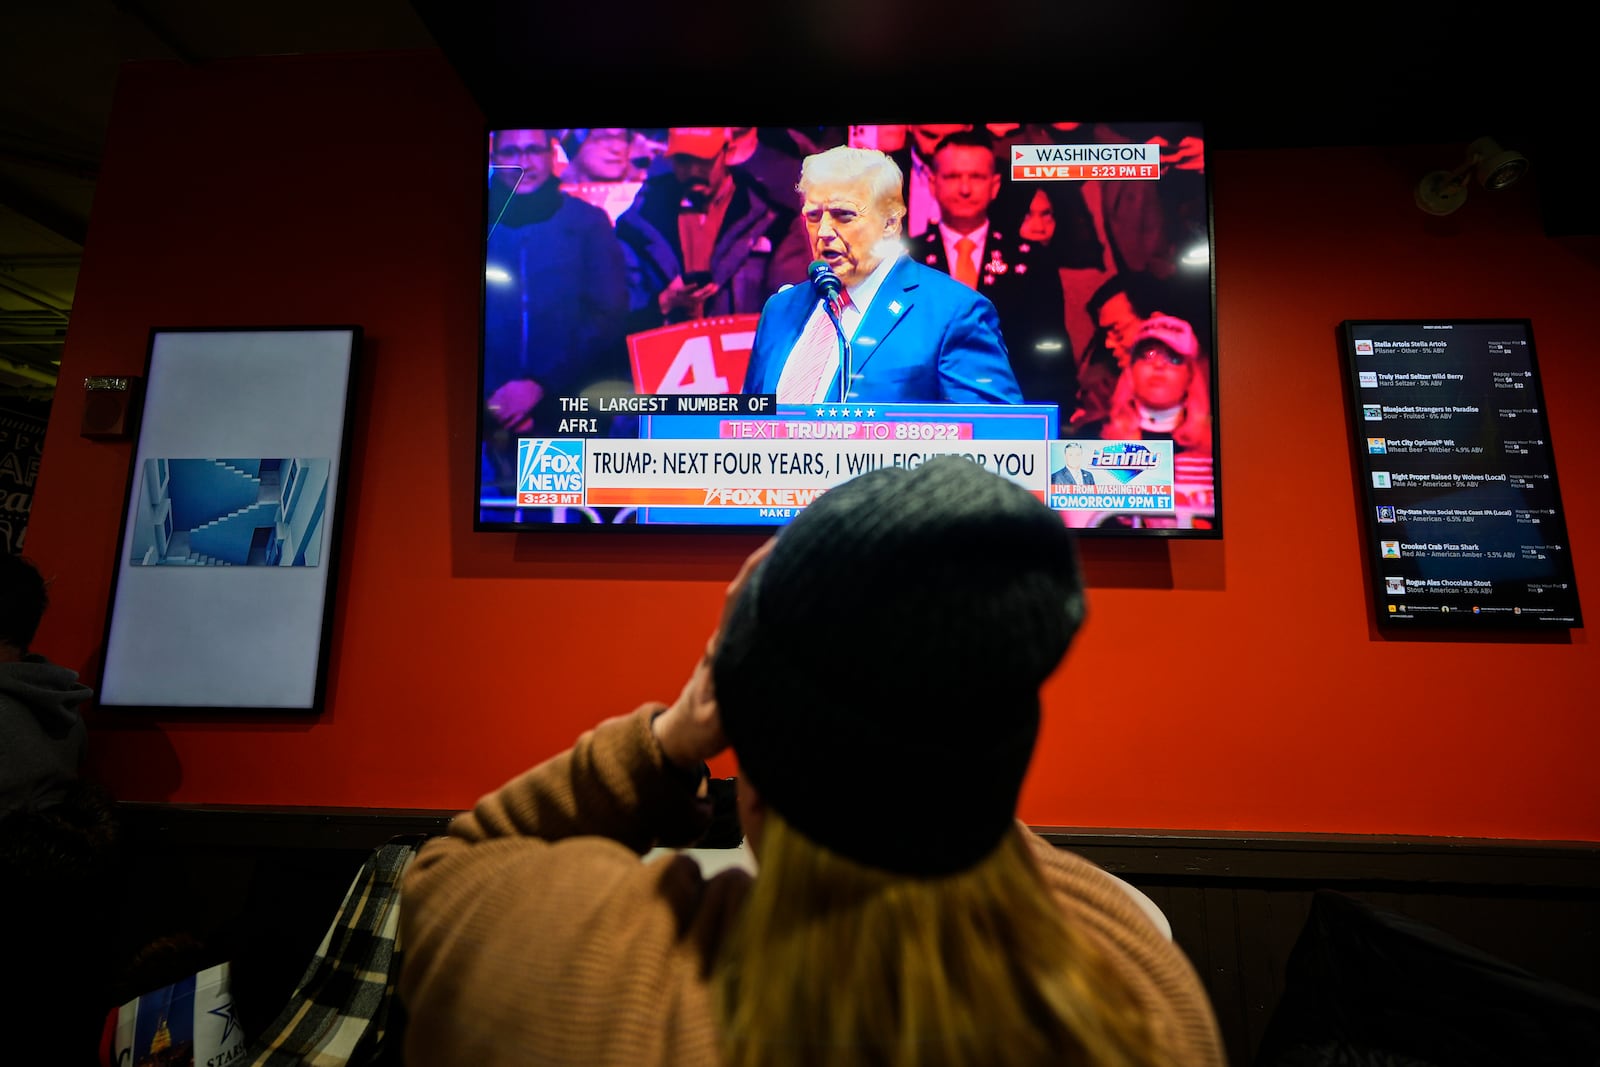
<point>747,460</point>
<point>706,454</point>
<point>1081,162</point>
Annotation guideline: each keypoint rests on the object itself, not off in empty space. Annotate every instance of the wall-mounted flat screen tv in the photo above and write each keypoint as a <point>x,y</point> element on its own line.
<point>674,336</point>
<point>226,568</point>
<point>1464,522</point>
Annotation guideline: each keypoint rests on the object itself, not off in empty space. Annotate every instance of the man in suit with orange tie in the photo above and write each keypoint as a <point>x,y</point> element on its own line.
<point>1014,273</point>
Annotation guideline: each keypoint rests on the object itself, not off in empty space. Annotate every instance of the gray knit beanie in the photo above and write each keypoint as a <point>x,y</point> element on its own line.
<point>878,677</point>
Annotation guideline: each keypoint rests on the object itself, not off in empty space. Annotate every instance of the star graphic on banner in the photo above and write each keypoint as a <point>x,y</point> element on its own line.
<point>819,413</point>
<point>871,414</point>
<point>229,1017</point>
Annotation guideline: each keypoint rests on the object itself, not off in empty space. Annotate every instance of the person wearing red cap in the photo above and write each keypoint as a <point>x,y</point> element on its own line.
<point>706,238</point>
<point>1165,395</point>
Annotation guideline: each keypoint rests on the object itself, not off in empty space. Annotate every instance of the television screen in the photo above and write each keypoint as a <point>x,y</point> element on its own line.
<point>222,590</point>
<point>1464,521</point>
<point>675,336</point>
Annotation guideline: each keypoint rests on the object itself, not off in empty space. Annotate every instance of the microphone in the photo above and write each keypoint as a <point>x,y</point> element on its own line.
<point>827,285</point>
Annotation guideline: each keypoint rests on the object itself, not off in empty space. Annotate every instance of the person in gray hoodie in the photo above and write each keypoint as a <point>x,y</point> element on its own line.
<point>59,843</point>
<point>42,735</point>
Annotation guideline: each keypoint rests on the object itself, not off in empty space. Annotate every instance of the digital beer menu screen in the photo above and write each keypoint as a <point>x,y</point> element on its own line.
<point>1464,521</point>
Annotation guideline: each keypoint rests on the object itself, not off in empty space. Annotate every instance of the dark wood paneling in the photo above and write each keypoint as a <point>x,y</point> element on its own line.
<point>1337,857</point>
<point>262,884</point>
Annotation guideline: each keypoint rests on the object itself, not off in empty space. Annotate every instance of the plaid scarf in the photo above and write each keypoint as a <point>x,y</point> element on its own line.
<point>339,1011</point>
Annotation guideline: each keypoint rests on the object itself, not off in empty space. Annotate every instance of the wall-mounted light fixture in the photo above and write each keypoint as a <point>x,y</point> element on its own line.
<point>1442,191</point>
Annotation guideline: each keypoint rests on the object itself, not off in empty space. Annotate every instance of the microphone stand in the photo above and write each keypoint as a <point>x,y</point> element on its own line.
<point>844,349</point>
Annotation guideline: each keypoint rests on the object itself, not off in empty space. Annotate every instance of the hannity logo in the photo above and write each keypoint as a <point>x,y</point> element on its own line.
<point>1125,462</point>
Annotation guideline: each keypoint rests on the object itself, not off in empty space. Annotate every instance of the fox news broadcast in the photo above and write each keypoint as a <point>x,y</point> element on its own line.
<point>706,327</point>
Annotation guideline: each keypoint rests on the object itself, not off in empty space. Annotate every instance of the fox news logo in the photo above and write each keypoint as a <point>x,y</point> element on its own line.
<point>549,472</point>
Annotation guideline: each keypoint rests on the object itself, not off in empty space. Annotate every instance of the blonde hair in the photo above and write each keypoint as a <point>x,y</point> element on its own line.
<point>836,963</point>
<point>844,164</point>
<point>1193,431</point>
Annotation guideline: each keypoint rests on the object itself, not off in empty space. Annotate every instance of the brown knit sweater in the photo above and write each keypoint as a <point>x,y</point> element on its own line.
<point>534,934</point>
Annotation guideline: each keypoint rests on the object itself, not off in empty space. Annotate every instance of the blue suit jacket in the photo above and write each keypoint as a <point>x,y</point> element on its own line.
<point>926,338</point>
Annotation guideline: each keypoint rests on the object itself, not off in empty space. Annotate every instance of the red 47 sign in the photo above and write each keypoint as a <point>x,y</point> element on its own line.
<point>699,356</point>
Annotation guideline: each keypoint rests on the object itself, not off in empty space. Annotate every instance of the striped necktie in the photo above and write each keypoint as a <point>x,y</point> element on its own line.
<point>812,364</point>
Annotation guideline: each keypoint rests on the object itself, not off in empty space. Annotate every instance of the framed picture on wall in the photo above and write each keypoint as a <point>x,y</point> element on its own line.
<point>221,595</point>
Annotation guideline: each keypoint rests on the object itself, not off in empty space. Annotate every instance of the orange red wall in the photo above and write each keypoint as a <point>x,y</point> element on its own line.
<point>1226,685</point>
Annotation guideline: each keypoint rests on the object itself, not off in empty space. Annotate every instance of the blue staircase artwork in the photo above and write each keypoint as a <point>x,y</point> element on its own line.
<point>230,512</point>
